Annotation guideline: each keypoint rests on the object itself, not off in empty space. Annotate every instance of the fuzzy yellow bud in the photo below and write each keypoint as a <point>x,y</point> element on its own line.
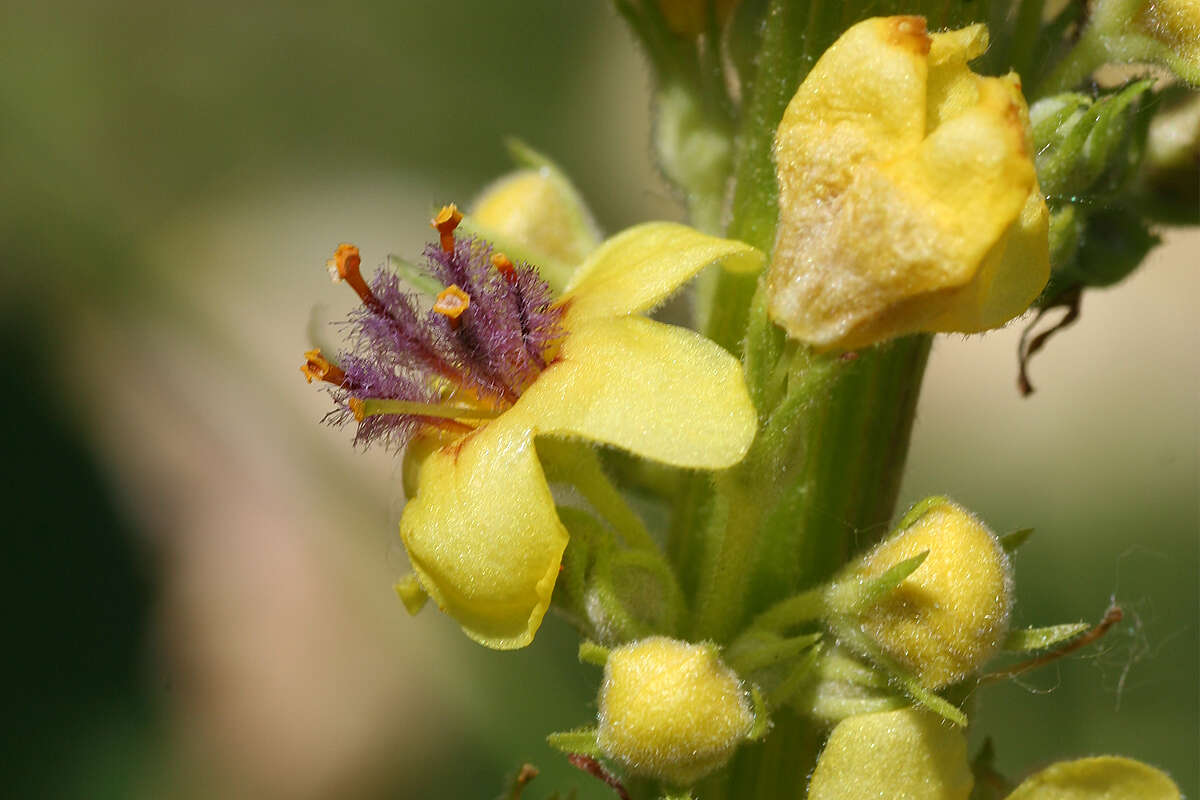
<point>908,199</point>
<point>671,710</point>
<point>1100,778</point>
<point>1175,23</point>
<point>951,614</point>
<point>907,753</point>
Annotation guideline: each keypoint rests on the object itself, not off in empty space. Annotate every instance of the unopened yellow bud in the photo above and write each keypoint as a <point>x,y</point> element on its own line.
<point>907,753</point>
<point>536,215</point>
<point>671,710</point>
<point>1175,23</point>
<point>950,615</point>
<point>690,17</point>
<point>908,199</point>
<point>1100,778</point>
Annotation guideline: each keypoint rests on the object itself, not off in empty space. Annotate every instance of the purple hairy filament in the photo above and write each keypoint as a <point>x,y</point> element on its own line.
<point>453,366</point>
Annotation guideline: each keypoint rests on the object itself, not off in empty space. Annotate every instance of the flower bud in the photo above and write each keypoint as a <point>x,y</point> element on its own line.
<point>1176,24</point>
<point>535,214</point>
<point>905,753</point>
<point>1096,779</point>
<point>671,710</point>
<point>950,615</point>
<point>908,199</point>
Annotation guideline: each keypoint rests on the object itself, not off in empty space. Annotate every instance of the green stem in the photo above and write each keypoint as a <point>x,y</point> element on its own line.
<point>820,482</point>
<point>1088,55</point>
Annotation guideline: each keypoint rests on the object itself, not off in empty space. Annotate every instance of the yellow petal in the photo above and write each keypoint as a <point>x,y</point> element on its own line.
<point>483,535</point>
<point>902,174</point>
<point>900,755</point>
<point>658,391</point>
<point>1100,778</point>
<point>639,268</point>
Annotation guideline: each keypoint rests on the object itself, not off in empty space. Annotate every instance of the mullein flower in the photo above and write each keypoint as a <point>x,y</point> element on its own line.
<point>907,193</point>
<point>671,710</point>
<point>497,361</point>
<point>913,754</point>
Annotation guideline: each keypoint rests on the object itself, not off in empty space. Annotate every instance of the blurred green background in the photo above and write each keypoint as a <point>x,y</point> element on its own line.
<point>198,575</point>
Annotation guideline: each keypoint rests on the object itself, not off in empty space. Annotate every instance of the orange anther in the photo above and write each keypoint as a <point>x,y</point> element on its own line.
<point>452,302</point>
<point>318,367</point>
<point>504,264</point>
<point>444,223</point>
<point>358,407</point>
<point>346,261</point>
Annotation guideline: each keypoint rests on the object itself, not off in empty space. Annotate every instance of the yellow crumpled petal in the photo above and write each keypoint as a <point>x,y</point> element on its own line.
<point>901,177</point>
<point>671,710</point>
<point>947,618</point>
<point>1099,778</point>
<point>658,391</point>
<point>483,535</point>
<point>639,268</point>
<point>898,755</point>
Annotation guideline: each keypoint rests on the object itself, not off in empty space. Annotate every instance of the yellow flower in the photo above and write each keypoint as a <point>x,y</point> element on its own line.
<point>482,532</point>
<point>907,193</point>
<point>912,754</point>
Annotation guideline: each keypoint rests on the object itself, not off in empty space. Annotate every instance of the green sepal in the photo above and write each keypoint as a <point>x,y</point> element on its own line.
<point>868,594</point>
<point>592,653</point>
<point>414,276</point>
<point>759,649</point>
<point>411,593</point>
<point>932,701</point>
<point>579,740</point>
<point>1011,542</point>
<point>1029,639</point>
<point>918,510</point>
<point>1085,146</point>
<point>900,677</point>
<point>1114,243</point>
<point>762,717</point>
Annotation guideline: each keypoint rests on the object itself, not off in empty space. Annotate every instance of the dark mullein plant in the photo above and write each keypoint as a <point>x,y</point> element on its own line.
<point>855,187</point>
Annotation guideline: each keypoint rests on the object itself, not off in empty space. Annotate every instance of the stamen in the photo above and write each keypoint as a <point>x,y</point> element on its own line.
<point>452,302</point>
<point>344,266</point>
<point>379,406</point>
<point>505,266</point>
<point>318,367</point>
<point>444,223</point>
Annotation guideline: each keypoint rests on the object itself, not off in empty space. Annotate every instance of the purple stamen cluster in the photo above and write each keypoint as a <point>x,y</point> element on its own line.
<point>401,349</point>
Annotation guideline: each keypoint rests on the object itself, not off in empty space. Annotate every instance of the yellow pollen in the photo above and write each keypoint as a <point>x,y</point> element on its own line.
<point>358,407</point>
<point>444,223</point>
<point>452,302</point>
